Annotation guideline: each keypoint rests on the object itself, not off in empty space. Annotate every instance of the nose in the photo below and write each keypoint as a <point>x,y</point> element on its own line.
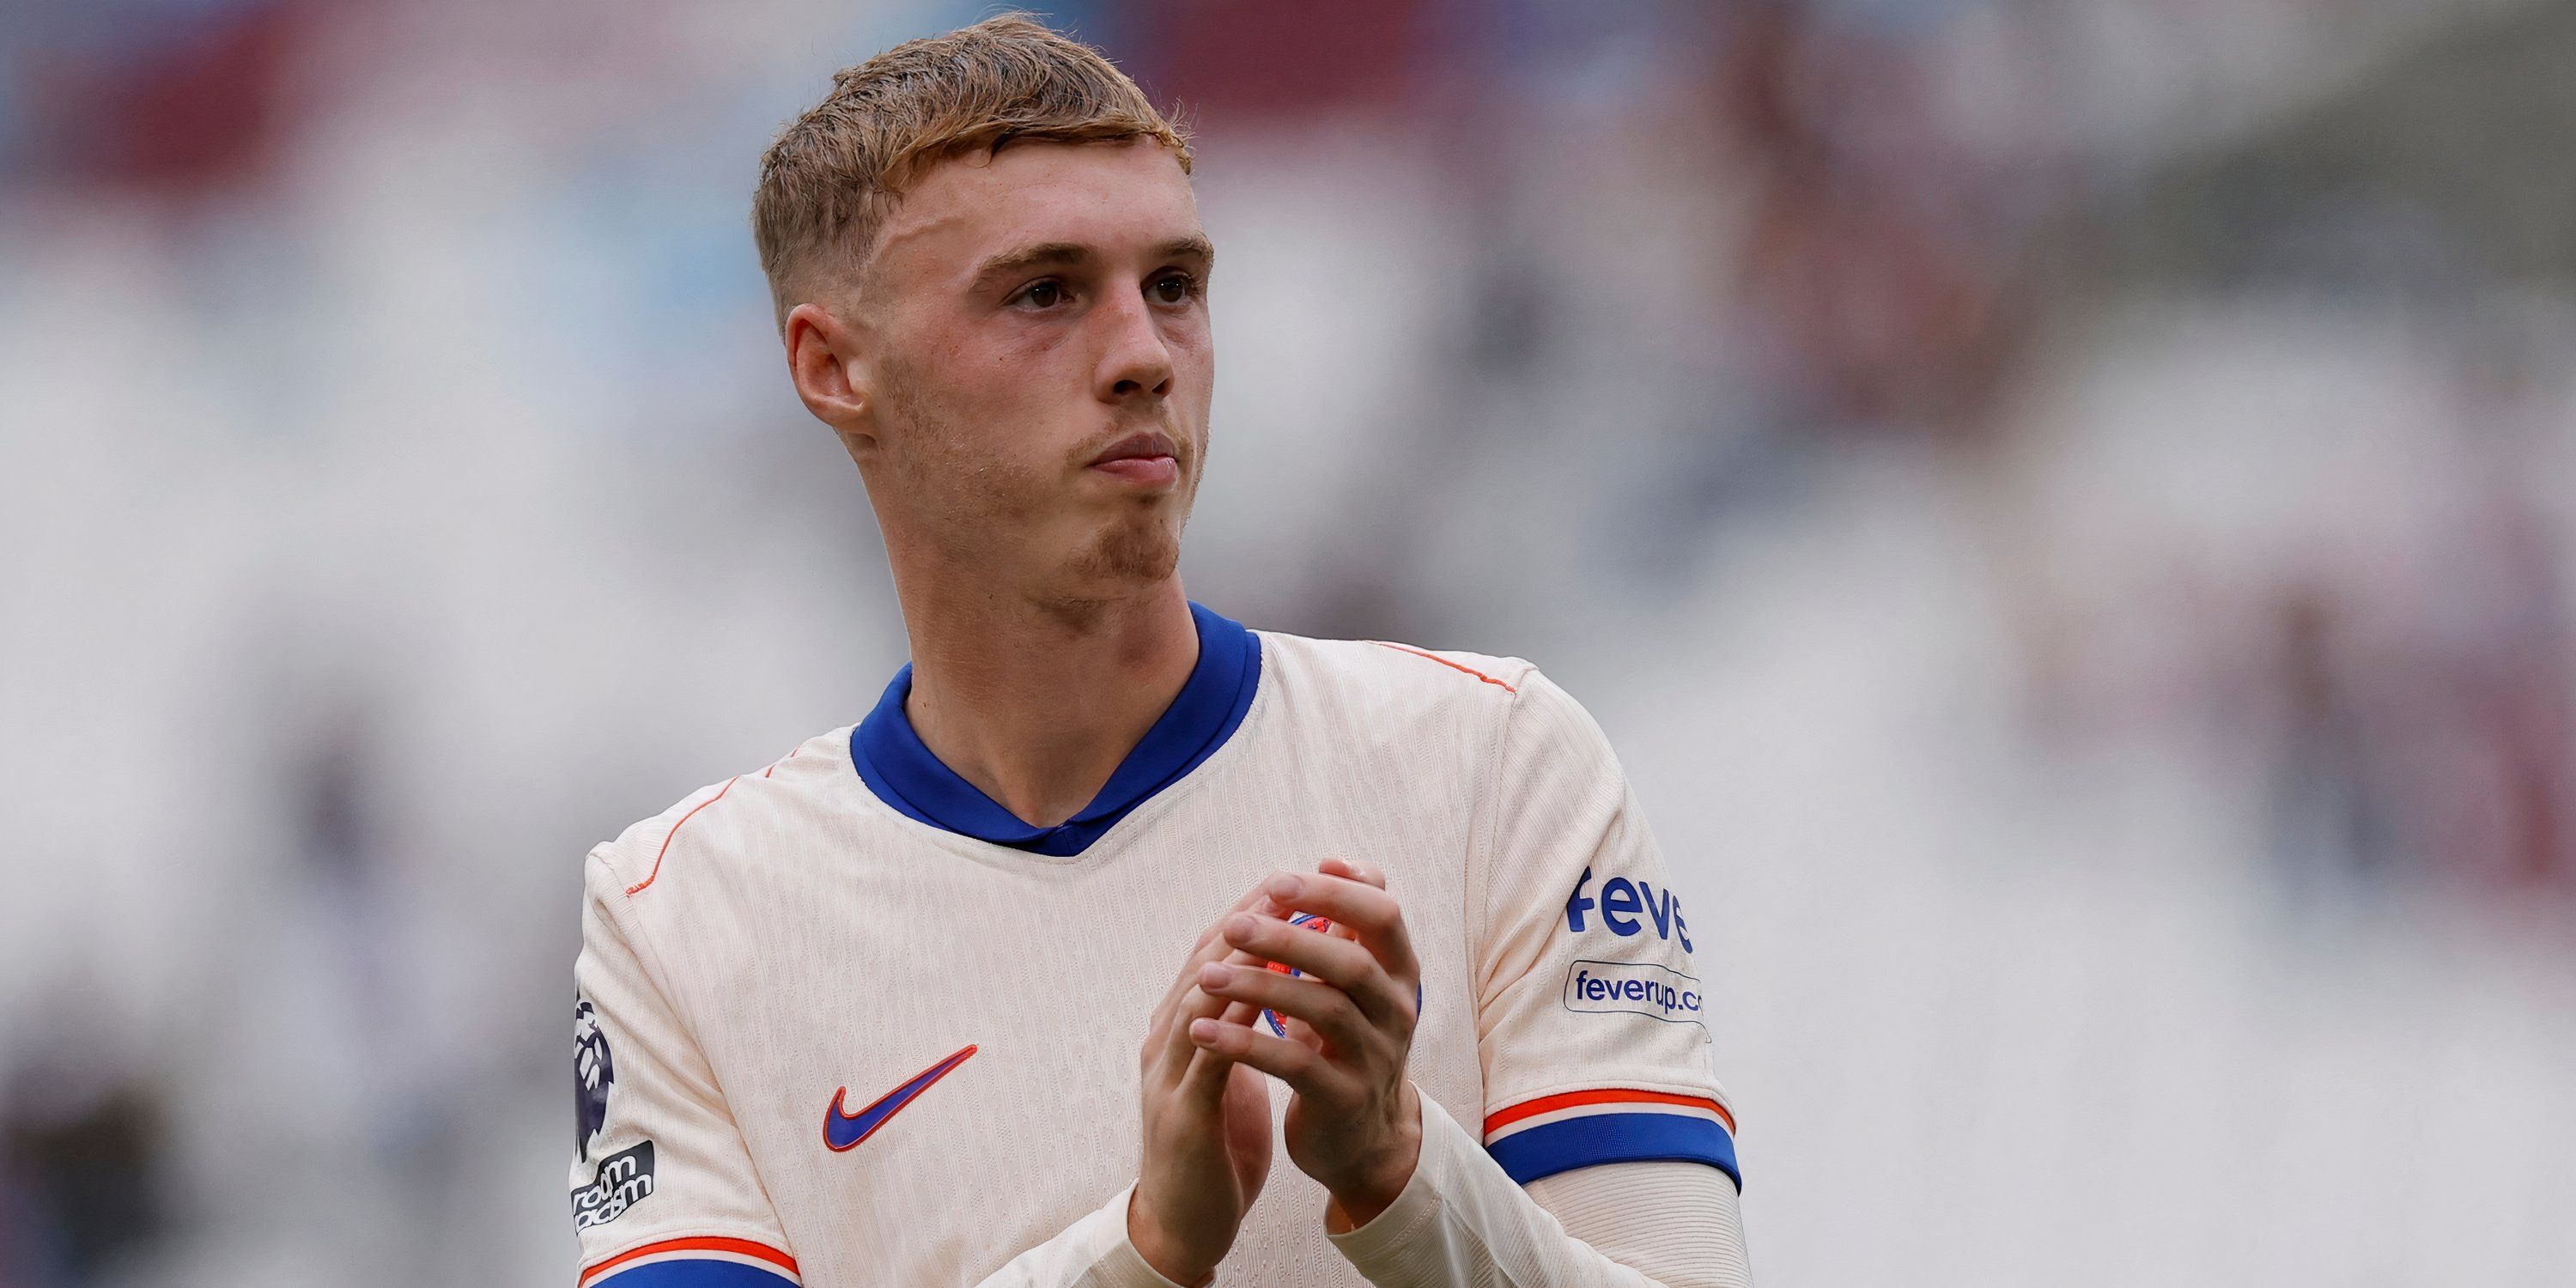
<point>1135,362</point>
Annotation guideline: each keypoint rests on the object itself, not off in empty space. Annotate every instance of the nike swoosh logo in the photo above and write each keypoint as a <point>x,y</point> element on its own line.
<point>844,1131</point>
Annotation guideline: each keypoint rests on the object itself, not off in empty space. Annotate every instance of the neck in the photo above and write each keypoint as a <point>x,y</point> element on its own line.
<point>1036,706</point>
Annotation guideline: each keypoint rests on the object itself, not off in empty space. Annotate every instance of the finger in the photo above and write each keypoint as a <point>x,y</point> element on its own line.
<point>1371,913</point>
<point>1306,1073</point>
<point>1171,998</point>
<point>1326,1009</point>
<point>1342,963</point>
<point>1197,1004</point>
<point>1337,866</point>
<point>1207,949</point>
<point>1297,1031</point>
<point>1204,1080</point>
<point>1356,870</point>
<point>1250,898</point>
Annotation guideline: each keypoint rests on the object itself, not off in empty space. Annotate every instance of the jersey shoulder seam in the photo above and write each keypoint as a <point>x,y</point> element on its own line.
<point>1453,664</point>
<point>1391,657</point>
<point>635,860</point>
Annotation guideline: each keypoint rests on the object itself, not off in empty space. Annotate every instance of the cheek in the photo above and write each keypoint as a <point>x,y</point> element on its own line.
<point>1189,338</point>
<point>993,394</point>
<point>1007,348</point>
<point>1035,384</point>
<point>1193,359</point>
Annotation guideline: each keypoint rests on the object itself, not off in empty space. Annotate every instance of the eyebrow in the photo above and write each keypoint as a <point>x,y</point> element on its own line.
<point>1011,263</point>
<point>1191,247</point>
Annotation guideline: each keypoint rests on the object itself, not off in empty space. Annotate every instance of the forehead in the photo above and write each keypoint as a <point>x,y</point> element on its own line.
<point>1110,196</point>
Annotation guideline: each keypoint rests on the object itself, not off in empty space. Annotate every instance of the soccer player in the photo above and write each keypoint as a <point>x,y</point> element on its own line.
<point>1119,946</point>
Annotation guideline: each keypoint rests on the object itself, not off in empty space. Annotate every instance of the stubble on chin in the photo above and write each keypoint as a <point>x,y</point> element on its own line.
<point>1137,549</point>
<point>1135,552</point>
<point>977,510</point>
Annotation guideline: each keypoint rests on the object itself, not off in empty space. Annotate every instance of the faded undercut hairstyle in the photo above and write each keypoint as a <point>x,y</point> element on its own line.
<point>828,182</point>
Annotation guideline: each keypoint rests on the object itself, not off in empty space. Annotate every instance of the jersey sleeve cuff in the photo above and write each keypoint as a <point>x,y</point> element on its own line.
<point>1558,1133</point>
<point>1120,1264</point>
<point>705,1261</point>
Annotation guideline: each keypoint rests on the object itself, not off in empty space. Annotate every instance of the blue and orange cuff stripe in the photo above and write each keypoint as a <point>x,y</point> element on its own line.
<point>707,1261</point>
<point>1559,1133</point>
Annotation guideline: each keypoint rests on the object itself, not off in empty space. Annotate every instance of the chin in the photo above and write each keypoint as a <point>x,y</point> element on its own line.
<point>1129,555</point>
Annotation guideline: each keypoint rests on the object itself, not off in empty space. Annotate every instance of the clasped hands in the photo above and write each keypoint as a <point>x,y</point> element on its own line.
<point>1354,1121</point>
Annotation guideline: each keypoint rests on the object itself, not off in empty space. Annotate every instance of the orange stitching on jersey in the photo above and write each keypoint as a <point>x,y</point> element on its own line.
<point>739,1247</point>
<point>1403,648</point>
<point>1548,1104</point>
<point>773,765</point>
<point>675,831</point>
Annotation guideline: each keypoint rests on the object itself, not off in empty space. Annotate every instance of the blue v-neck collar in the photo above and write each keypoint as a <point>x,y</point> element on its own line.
<point>895,764</point>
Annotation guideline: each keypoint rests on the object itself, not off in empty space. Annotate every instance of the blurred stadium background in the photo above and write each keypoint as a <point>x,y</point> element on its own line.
<point>2067,507</point>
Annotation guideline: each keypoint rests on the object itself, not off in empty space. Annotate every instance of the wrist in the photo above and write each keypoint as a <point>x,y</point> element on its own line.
<point>1359,1199</point>
<point>1159,1251</point>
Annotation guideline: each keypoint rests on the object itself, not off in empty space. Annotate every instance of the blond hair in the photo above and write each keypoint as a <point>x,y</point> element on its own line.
<point>828,182</point>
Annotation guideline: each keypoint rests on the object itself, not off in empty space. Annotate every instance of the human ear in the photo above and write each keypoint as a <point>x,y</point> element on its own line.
<point>823,359</point>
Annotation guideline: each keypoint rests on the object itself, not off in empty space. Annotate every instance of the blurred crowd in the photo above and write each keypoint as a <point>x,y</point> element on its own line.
<point>2063,504</point>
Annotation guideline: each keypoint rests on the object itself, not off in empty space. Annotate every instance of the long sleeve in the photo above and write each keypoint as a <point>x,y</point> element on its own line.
<point>1462,1222</point>
<point>1091,1253</point>
<point>1676,1223</point>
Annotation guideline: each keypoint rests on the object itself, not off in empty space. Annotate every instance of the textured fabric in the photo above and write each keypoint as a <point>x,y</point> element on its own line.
<point>1676,1223</point>
<point>665,1108</point>
<point>1091,1253</point>
<point>905,1055</point>
<point>1461,1223</point>
<point>1585,995</point>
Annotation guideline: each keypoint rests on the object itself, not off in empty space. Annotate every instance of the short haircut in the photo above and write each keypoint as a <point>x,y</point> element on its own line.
<point>829,181</point>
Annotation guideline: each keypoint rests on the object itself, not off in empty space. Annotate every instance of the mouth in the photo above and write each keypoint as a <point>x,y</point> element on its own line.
<point>1143,459</point>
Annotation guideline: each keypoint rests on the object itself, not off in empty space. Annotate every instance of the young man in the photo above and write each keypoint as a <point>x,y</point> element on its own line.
<point>1031,977</point>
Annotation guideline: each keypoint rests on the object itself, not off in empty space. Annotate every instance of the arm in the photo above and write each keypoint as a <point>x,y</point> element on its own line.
<point>1093,1252</point>
<point>1645,1214</point>
<point>1433,1208</point>
<point>664,1192</point>
<point>1601,1103</point>
<point>1593,1045</point>
<point>1462,1221</point>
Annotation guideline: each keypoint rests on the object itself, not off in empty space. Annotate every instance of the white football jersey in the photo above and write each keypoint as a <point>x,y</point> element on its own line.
<point>844,1020</point>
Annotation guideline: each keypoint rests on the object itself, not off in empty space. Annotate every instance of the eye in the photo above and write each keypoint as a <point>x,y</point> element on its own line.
<point>1045,293</point>
<point>1174,288</point>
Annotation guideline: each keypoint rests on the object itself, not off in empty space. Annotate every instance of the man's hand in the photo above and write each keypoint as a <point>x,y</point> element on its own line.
<point>1207,1129</point>
<point>1355,1123</point>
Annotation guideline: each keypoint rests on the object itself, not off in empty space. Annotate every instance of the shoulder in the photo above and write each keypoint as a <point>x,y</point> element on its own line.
<point>1384,679</point>
<point>1497,711</point>
<point>1386,673</point>
<point>714,823</point>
